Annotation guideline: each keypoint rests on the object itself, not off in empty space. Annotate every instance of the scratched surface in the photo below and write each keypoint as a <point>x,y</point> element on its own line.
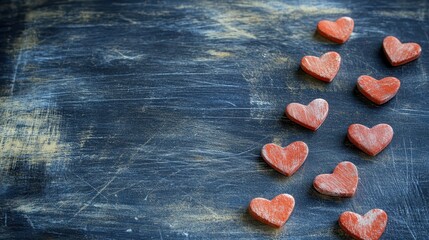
<point>145,119</point>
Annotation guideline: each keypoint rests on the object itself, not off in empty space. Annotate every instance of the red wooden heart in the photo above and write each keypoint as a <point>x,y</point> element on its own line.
<point>310,116</point>
<point>370,140</point>
<point>341,183</point>
<point>400,53</point>
<point>338,31</point>
<point>369,227</point>
<point>378,91</point>
<point>324,68</point>
<point>275,212</point>
<point>285,160</point>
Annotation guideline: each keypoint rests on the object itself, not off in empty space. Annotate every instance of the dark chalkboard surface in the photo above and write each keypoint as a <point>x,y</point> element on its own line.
<point>145,119</point>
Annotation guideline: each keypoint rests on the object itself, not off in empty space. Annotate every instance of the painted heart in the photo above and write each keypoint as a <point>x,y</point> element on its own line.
<point>310,116</point>
<point>400,53</point>
<point>275,212</point>
<point>378,91</point>
<point>369,227</point>
<point>370,140</point>
<point>285,160</point>
<point>341,183</point>
<point>338,31</point>
<point>324,68</point>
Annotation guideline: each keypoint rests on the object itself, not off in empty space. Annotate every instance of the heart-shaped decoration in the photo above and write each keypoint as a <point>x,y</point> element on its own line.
<point>378,91</point>
<point>369,227</point>
<point>341,183</point>
<point>338,31</point>
<point>400,53</point>
<point>285,160</point>
<point>310,116</point>
<point>324,68</point>
<point>275,212</point>
<point>370,140</point>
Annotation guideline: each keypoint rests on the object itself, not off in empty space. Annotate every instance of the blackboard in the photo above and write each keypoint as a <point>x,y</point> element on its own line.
<point>145,119</point>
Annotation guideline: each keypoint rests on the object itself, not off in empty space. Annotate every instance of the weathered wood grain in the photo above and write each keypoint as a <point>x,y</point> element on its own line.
<point>145,119</point>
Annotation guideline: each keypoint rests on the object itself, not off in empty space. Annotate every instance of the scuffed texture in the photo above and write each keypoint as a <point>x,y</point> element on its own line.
<point>275,212</point>
<point>311,116</point>
<point>338,31</point>
<point>341,183</point>
<point>378,91</point>
<point>400,53</point>
<point>285,160</point>
<point>370,140</point>
<point>368,227</point>
<point>138,119</point>
<point>324,68</point>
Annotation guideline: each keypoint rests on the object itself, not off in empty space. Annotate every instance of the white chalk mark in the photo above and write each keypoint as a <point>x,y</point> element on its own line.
<point>411,231</point>
<point>230,103</point>
<point>133,157</point>
<point>406,163</point>
<point>159,182</point>
<point>160,234</point>
<point>125,188</point>
<point>15,71</point>
<point>96,195</point>
<point>96,190</point>
<point>127,19</point>
<point>411,112</point>
<point>29,221</point>
<point>128,57</point>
